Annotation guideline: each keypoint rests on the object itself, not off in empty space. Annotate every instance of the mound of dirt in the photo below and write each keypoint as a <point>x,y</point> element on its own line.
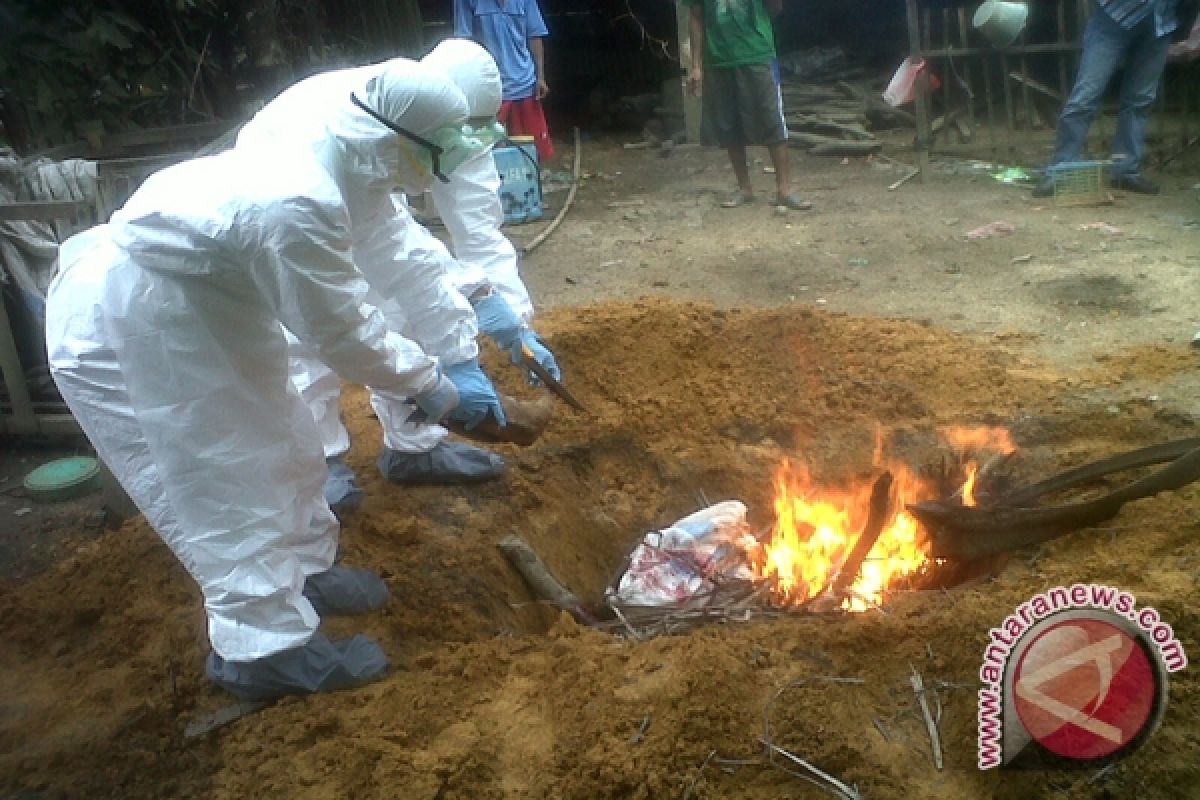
<point>495,696</point>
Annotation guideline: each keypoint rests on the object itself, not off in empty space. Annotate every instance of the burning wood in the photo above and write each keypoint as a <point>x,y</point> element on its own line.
<point>847,549</point>
<point>1011,521</point>
<point>835,595</point>
<point>827,549</point>
<point>814,540</point>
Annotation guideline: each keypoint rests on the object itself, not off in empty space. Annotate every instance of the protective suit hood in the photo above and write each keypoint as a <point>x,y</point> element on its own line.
<point>473,70</point>
<point>411,96</point>
<point>415,97</point>
<point>361,153</point>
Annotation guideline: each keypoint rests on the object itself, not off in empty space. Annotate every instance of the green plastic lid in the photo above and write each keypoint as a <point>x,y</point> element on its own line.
<point>63,479</point>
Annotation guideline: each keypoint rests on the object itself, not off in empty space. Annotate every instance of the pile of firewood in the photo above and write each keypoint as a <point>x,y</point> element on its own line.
<point>838,119</point>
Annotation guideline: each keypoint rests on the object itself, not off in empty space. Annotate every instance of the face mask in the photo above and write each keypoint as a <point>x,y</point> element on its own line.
<point>447,148</point>
<point>461,145</point>
<point>410,166</point>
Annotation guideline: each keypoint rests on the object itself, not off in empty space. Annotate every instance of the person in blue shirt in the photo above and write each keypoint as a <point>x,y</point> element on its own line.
<point>512,31</point>
<point>1137,32</point>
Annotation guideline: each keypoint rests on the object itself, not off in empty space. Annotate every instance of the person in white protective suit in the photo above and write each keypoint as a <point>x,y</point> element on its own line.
<point>485,270</point>
<point>164,335</point>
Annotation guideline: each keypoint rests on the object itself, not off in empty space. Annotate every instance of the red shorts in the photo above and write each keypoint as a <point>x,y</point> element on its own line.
<point>525,118</point>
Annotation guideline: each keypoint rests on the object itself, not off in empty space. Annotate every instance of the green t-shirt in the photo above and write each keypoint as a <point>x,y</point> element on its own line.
<point>736,32</point>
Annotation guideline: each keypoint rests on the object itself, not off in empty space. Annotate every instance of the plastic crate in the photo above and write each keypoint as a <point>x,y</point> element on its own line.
<point>1079,183</point>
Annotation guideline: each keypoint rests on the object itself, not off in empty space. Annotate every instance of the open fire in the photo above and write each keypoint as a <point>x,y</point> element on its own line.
<point>849,548</point>
<point>816,528</point>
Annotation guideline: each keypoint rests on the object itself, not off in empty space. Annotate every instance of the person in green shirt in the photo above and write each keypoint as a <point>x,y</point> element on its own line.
<point>733,55</point>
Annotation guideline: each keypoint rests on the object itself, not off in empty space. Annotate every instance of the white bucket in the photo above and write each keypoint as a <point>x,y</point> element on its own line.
<point>1001,22</point>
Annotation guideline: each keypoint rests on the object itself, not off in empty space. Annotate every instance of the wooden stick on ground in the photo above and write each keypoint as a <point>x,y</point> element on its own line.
<point>893,187</point>
<point>864,148</point>
<point>562,212</point>
<point>815,776</point>
<point>545,586</point>
<point>935,741</point>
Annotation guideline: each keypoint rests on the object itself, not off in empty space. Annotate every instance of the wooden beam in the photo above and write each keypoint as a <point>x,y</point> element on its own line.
<point>692,105</point>
<point>45,210</point>
<point>922,101</point>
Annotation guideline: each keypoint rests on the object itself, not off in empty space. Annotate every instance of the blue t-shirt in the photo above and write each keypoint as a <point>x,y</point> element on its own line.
<point>504,27</point>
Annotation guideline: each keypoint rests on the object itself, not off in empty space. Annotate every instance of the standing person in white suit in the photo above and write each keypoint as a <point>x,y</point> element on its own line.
<point>165,336</point>
<point>485,270</point>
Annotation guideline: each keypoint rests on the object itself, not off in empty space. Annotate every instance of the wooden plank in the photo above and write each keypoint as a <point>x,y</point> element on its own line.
<point>1031,120</point>
<point>948,84</point>
<point>692,105</point>
<point>1016,50</point>
<point>991,108</point>
<point>1038,86</point>
<point>962,35</point>
<point>202,131</point>
<point>44,211</point>
<point>22,419</point>
<point>1010,114</point>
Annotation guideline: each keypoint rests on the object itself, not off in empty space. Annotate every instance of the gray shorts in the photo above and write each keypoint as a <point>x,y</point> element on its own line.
<point>742,106</point>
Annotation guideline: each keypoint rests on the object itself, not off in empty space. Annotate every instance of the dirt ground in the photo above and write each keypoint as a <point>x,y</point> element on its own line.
<point>710,344</point>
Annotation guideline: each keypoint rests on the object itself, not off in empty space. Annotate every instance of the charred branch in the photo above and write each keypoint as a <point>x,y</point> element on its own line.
<point>877,517</point>
<point>972,532</point>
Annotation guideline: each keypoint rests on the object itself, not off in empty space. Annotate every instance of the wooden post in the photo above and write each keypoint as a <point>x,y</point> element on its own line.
<point>923,128</point>
<point>691,103</point>
<point>23,419</point>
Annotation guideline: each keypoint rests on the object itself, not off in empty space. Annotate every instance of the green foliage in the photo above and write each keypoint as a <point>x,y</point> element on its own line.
<point>70,68</point>
<point>75,65</point>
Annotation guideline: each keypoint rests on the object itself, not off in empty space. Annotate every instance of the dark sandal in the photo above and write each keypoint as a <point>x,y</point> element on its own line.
<point>792,201</point>
<point>738,198</point>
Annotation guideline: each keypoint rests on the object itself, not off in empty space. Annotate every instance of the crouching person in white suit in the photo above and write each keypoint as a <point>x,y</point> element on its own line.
<point>165,330</point>
<point>394,243</point>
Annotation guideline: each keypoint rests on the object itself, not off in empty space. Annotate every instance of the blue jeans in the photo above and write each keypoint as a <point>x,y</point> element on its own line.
<point>1105,43</point>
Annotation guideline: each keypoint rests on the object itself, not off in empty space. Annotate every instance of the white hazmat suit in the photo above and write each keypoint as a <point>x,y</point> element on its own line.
<point>469,204</point>
<point>164,335</point>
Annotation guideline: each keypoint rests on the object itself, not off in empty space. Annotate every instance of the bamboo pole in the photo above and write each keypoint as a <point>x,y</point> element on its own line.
<point>922,99</point>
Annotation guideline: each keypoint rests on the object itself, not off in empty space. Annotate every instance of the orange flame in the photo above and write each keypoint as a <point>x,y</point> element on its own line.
<point>816,527</point>
<point>970,442</point>
<point>968,489</point>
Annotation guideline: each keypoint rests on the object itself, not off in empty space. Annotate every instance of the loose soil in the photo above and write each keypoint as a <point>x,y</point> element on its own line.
<point>495,696</point>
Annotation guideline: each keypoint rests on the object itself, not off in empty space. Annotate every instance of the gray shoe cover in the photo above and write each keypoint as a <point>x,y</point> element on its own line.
<point>345,590</point>
<point>449,463</point>
<point>319,666</point>
<point>341,487</point>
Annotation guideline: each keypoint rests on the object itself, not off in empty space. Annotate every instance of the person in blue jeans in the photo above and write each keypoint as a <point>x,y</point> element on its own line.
<point>1137,32</point>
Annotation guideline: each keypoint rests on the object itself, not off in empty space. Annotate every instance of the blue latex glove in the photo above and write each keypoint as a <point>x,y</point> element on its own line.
<point>498,320</point>
<point>476,395</point>
<point>434,404</point>
<point>541,354</point>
